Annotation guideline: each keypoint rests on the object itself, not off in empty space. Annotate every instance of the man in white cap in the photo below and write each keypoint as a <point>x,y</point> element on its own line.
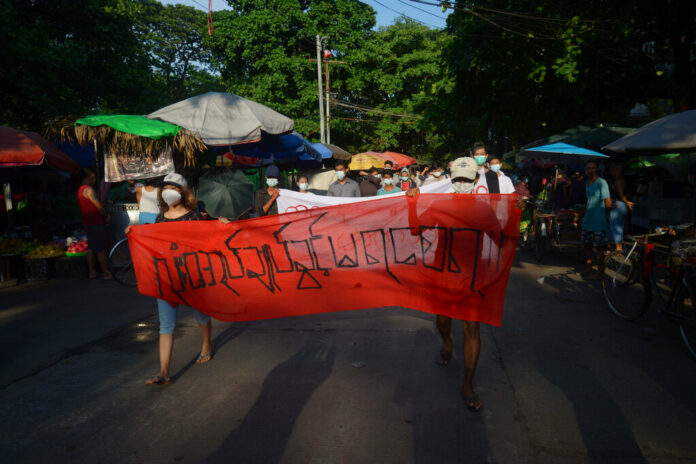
<point>465,174</point>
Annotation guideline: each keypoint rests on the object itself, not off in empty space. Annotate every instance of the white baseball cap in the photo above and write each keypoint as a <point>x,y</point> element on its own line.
<point>175,179</point>
<point>464,167</point>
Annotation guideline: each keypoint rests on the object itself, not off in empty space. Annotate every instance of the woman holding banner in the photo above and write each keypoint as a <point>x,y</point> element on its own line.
<point>177,203</point>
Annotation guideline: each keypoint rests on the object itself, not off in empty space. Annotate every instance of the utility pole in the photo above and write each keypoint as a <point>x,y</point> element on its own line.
<point>320,92</point>
<point>328,108</point>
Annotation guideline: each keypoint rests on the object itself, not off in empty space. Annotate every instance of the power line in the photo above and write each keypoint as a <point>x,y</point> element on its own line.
<point>375,120</point>
<point>421,9</point>
<point>374,110</point>
<point>405,15</point>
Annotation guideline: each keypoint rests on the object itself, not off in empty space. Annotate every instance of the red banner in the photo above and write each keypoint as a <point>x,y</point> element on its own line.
<point>441,253</point>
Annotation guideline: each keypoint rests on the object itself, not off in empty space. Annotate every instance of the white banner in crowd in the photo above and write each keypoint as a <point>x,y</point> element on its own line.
<point>289,200</point>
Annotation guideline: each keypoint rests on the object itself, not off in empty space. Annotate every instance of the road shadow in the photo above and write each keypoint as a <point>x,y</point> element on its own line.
<point>217,343</point>
<point>444,430</point>
<point>263,434</point>
<point>604,428</point>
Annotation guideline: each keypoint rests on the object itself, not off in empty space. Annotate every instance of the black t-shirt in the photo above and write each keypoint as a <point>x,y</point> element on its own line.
<point>190,216</point>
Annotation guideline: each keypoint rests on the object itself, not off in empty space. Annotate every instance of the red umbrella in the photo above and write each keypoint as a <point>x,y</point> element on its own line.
<point>399,159</point>
<point>24,148</point>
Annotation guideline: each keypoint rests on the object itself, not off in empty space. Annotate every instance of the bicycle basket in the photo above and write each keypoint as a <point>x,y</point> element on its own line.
<point>686,248</point>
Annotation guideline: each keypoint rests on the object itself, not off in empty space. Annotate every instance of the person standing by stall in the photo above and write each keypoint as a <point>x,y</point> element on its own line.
<point>620,206</point>
<point>594,225</point>
<point>148,205</point>
<point>94,218</point>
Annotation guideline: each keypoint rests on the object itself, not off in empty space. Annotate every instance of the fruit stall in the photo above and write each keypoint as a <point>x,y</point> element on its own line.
<point>22,259</point>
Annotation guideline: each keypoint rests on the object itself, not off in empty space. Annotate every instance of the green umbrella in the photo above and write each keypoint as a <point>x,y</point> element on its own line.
<point>225,192</point>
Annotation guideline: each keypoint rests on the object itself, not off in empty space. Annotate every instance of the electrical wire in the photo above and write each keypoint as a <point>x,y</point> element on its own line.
<point>374,120</point>
<point>368,109</point>
<point>405,15</point>
<point>422,9</point>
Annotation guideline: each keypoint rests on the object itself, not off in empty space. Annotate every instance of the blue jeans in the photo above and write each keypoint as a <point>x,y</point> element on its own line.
<point>617,219</point>
<point>167,317</point>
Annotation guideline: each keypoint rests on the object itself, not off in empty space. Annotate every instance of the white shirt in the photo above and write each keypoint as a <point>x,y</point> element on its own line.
<point>505,184</point>
<point>482,185</point>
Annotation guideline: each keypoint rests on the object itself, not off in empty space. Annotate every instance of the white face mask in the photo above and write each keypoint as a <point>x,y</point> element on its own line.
<point>463,187</point>
<point>304,186</point>
<point>271,182</point>
<point>340,175</point>
<point>437,173</point>
<point>404,178</point>
<point>495,167</point>
<point>171,196</point>
<point>388,181</point>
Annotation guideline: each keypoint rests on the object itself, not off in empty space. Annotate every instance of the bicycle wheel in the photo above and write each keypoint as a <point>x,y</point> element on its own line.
<point>121,264</point>
<point>627,297</point>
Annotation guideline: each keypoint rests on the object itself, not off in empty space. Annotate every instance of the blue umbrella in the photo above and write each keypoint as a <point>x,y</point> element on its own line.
<point>561,152</point>
<point>287,146</point>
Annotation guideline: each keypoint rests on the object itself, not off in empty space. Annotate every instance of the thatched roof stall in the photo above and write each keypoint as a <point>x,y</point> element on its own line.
<point>129,134</point>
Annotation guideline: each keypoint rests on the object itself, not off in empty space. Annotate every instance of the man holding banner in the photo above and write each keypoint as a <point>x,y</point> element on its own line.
<point>465,175</point>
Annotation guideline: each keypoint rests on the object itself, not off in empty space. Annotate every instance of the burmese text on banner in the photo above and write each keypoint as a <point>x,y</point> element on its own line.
<point>445,254</point>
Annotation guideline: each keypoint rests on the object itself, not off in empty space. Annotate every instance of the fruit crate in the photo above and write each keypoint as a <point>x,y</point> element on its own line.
<point>72,267</point>
<point>39,268</point>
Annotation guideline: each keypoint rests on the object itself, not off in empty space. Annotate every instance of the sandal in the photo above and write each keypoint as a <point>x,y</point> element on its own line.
<point>158,380</point>
<point>204,358</point>
<point>444,357</point>
<point>473,402</point>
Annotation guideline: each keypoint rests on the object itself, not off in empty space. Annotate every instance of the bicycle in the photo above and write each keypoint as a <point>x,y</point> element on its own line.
<point>630,278</point>
<point>121,263</point>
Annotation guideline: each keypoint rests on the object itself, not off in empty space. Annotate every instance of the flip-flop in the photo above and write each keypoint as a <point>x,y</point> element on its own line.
<point>204,358</point>
<point>471,401</point>
<point>444,358</point>
<point>158,380</point>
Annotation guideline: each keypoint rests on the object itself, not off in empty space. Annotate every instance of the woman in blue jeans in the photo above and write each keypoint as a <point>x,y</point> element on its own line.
<point>177,203</point>
<point>620,206</point>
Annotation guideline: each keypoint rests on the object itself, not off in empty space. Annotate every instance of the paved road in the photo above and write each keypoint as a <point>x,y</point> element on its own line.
<point>563,381</point>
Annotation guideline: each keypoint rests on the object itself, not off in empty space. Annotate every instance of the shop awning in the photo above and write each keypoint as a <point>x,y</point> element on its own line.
<point>25,148</point>
<point>132,124</point>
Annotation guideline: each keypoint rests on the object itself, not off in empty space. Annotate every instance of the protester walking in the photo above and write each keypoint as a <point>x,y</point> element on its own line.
<point>265,198</point>
<point>388,180</point>
<point>344,186</point>
<point>620,206</point>
<point>464,172</point>
<point>504,183</point>
<point>370,184</point>
<point>437,174</point>
<point>594,225</point>
<point>177,203</point>
<point>303,184</point>
<point>404,182</point>
<point>480,156</point>
<point>94,219</point>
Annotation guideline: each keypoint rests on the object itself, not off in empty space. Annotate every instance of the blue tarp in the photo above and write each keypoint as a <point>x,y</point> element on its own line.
<point>84,156</point>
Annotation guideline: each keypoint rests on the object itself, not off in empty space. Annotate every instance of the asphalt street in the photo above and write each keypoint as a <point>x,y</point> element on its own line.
<point>563,381</point>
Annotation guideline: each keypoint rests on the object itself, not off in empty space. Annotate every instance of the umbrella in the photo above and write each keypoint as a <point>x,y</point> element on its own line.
<point>325,151</point>
<point>366,161</point>
<point>561,152</point>
<point>288,146</point>
<point>224,119</point>
<point>399,159</point>
<point>338,152</point>
<point>225,192</point>
<point>24,148</point>
<point>673,133</point>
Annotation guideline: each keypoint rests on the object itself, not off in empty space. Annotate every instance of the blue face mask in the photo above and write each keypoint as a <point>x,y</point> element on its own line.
<point>271,182</point>
<point>340,175</point>
<point>388,181</point>
<point>404,178</point>
<point>495,167</point>
<point>480,160</point>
